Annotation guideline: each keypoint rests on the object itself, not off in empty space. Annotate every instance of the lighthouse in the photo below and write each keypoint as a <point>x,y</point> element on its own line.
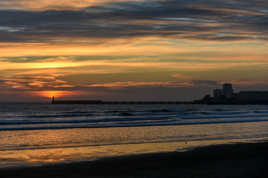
<point>52,100</point>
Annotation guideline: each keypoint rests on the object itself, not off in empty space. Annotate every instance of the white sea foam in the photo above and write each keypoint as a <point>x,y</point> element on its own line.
<point>29,117</point>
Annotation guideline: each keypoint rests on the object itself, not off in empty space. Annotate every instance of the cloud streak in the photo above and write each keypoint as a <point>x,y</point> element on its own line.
<point>216,20</point>
<point>110,46</point>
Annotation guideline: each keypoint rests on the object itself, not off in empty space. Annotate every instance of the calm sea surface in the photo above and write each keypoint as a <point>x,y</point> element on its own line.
<point>36,134</point>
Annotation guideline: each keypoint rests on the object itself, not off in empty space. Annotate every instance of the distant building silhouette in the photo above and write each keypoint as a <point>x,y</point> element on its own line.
<point>217,93</point>
<point>227,90</point>
<point>226,95</point>
<point>252,96</point>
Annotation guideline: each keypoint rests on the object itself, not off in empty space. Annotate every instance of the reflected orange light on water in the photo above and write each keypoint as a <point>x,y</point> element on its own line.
<point>74,145</point>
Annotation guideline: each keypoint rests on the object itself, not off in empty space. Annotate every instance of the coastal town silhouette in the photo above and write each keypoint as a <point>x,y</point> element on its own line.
<point>225,95</point>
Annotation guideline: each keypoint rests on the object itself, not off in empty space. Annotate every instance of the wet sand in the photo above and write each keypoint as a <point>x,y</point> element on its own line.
<point>222,161</point>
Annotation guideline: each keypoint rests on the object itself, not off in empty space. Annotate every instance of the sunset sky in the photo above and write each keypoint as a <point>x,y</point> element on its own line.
<point>131,50</point>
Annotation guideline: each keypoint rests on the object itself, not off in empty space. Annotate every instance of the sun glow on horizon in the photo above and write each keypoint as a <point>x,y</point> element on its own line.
<point>56,94</point>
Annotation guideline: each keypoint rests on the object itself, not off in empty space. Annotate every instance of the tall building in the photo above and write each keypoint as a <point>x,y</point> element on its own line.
<point>217,93</point>
<point>227,90</point>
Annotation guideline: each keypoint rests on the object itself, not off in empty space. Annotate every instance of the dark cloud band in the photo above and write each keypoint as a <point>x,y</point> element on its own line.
<point>193,19</point>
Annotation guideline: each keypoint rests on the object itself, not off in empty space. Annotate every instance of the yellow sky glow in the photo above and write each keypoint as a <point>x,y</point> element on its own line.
<point>56,94</point>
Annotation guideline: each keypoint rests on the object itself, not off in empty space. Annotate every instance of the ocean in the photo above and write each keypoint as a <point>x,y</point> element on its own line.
<point>39,134</point>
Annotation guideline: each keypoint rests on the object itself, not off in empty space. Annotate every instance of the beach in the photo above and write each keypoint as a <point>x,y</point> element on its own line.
<point>149,141</point>
<point>247,160</point>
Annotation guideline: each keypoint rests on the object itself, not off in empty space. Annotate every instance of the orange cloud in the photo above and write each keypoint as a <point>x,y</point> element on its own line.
<point>181,76</point>
<point>141,84</point>
<point>53,4</point>
<point>31,82</point>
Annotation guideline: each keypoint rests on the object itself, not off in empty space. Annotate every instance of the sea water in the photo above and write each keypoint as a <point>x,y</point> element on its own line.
<point>37,134</point>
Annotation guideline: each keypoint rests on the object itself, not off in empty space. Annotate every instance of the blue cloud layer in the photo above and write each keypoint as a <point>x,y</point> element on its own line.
<point>180,19</point>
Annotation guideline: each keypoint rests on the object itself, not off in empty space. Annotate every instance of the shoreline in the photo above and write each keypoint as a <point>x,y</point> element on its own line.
<point>245,160</point>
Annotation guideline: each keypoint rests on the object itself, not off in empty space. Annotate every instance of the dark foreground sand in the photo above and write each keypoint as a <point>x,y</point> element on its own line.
<point>224,161</point>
